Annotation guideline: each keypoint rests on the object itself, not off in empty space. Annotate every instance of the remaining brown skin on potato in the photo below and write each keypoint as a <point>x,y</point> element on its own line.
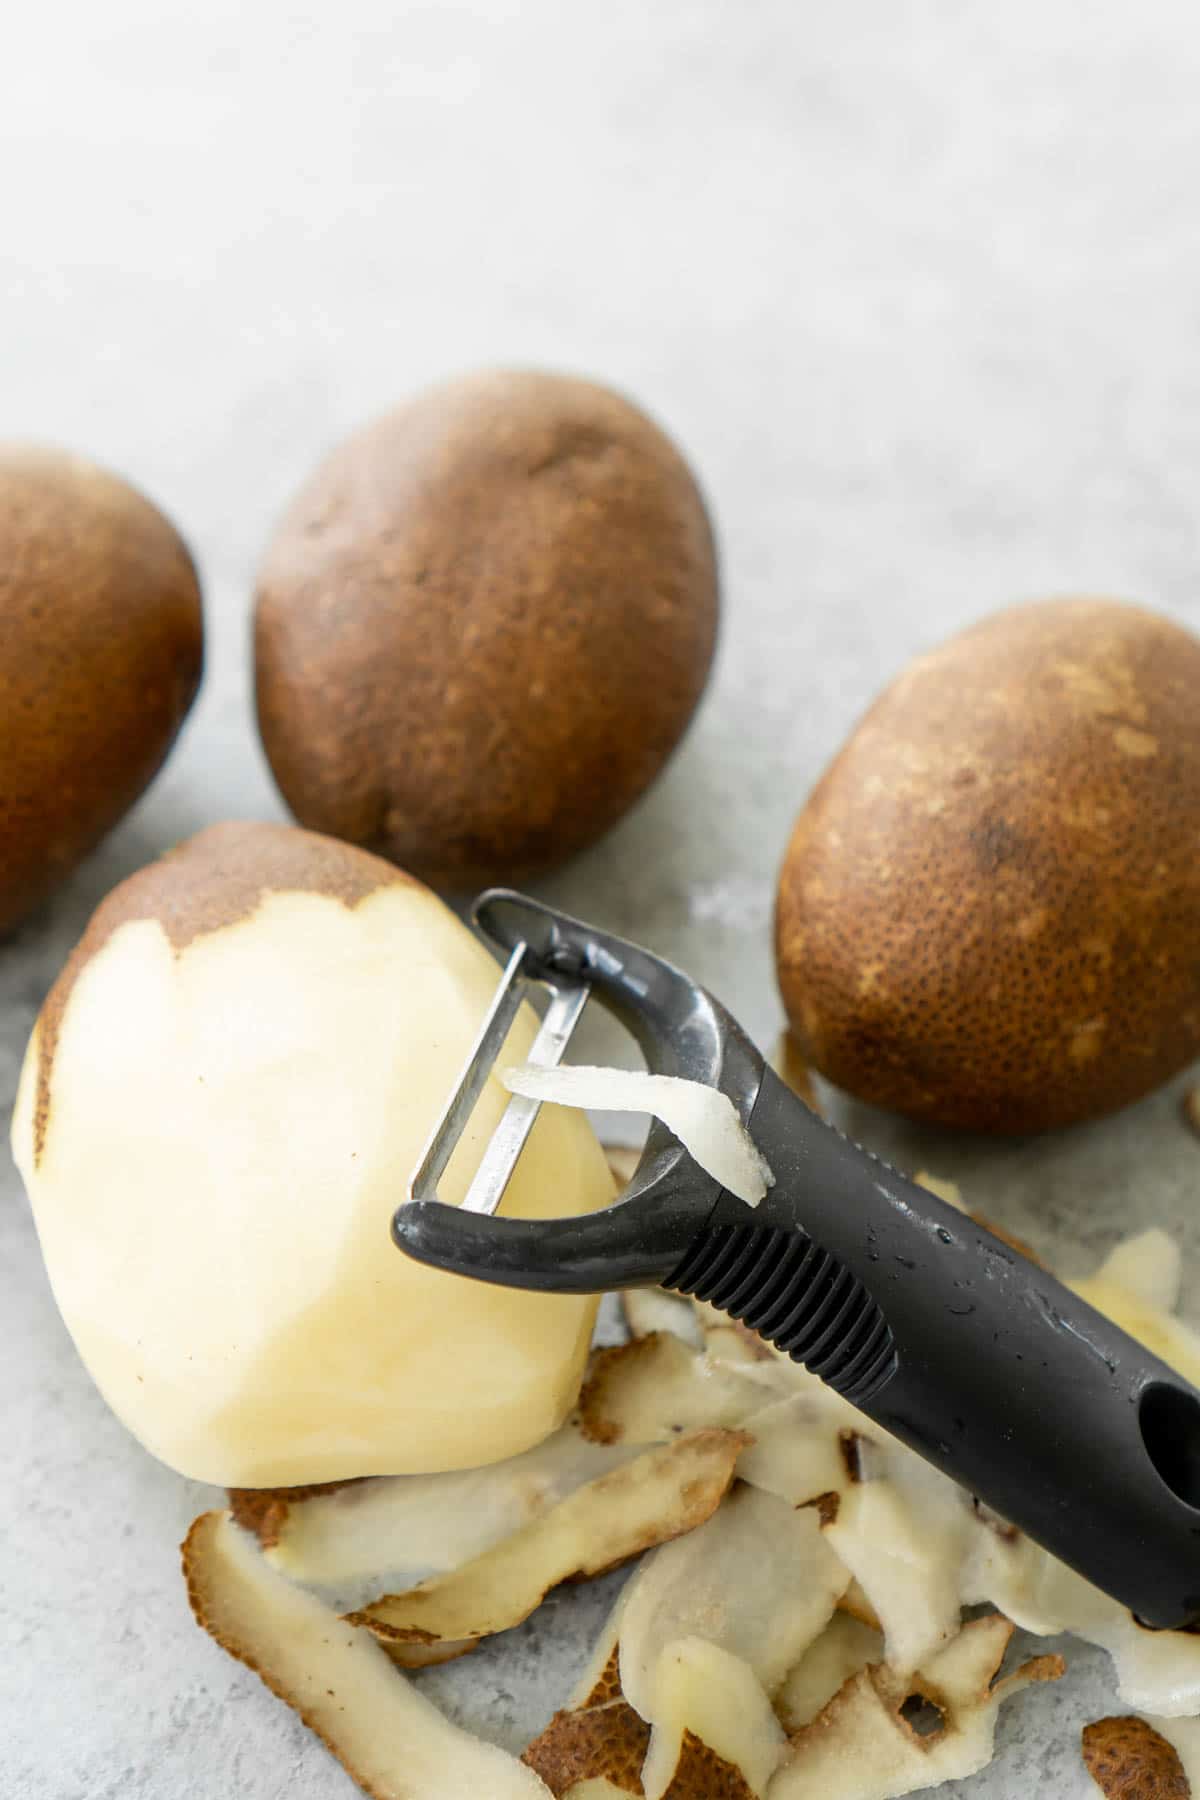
<point>988,912</point>
<point>101,653</point>
<point>483,626</point>
<point>211,880</point>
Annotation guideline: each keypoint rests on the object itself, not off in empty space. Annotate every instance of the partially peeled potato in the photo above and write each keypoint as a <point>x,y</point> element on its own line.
<point>221,1104</point>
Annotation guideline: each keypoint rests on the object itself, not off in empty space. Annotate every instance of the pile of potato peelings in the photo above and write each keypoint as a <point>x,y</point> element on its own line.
<point>820,1611</point>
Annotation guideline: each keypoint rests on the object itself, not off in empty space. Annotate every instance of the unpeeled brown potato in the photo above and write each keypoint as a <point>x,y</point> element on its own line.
<point>483,626</point>
<point>989,911</point>
<point>221,1106</point>
<point>101,649</point>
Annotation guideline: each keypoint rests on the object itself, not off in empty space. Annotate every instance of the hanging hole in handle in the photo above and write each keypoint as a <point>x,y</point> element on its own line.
<point>1170,1422</point>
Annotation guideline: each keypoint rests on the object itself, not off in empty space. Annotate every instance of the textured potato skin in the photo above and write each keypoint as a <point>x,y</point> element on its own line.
<point>101,653</point>
<point>988,915</point>
<point>483,625</point>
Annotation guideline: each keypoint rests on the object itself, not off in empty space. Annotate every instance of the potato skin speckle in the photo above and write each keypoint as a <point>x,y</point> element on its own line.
<point>1129,1760</point>
<point>483,626</point>
<point>1006,845</point>
<point>101,653</point>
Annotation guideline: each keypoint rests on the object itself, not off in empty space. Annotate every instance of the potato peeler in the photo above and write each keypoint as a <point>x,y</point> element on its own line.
<point>950,1339</point>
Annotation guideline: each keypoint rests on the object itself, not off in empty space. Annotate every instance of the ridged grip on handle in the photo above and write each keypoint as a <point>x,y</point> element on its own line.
<point>982,1362</point>
<point>798,1298</point>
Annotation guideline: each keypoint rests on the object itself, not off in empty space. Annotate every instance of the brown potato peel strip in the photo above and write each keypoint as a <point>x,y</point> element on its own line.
<point>608,1745</point>
<point>667,1491</point>
<point>1129,1760</point>
<point>604,1742</point>
<point>596,1743</point>
<point>392,1741</point>
<point>701,1774</point>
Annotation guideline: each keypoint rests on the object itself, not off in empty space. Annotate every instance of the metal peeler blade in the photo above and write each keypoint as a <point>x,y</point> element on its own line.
<point>569,996</point>
<point>949,1338</point>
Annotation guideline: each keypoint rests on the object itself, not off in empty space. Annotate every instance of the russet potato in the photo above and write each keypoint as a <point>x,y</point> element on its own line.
<point>483,626</point>
<point>989,911</point>
<point>221,1106</point>
<point>101,650</point>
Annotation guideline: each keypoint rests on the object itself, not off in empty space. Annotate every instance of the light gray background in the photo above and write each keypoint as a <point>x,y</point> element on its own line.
<point>916,285</point>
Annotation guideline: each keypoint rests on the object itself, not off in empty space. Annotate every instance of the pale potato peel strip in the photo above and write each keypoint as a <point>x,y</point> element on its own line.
<point>391,1740</point>
<point>903,1535</point>
<point>646,1310</point>
<point>1184,1736</point>
<point>860,1746</point>
<point>1128,1760</point>
<point>417,1525</point>
<point>668,1490</point>
<point>758,1579</point>
<point>1158,1672</point>
<point>1160,1331</point>
<point>656,1387</point>
<point>844,1647</point>
<point>709,1704</point>
<point>792,1459</point>
<point>703,1118</point>
<point>856,1606</point>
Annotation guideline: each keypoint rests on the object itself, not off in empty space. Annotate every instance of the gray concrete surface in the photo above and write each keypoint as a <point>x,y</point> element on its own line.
<point>917,285</point>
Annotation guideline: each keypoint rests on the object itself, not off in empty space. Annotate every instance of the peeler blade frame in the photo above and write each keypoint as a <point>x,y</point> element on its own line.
<point>568,997</point>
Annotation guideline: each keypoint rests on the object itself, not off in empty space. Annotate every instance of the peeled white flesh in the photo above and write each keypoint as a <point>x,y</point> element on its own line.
<point>701,1117</point>
<point>230,1129</point>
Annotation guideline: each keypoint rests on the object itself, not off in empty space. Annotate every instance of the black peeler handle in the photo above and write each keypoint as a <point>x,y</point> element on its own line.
<point>956,1343</point>
<point>967,1351</point>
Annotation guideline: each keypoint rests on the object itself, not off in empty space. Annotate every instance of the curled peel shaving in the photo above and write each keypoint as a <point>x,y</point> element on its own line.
<point>668,1490</point>
<point>701,1117</point>
<point>393,1742</point>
